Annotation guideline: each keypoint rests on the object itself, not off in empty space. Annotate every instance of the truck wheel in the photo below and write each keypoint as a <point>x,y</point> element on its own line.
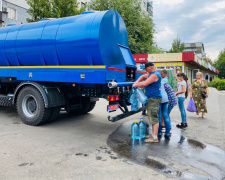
<point>92,105</point>
<point>31,107</point>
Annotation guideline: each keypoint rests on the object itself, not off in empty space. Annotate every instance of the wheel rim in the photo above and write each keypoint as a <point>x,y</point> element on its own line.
<point>29,106</point>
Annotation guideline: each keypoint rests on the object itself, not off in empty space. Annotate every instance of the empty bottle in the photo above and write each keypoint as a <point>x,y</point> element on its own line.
<point>135,130</point>
<point>142,128</point>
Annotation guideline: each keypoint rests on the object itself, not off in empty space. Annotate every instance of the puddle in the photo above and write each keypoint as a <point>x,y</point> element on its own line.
<point>180,157</point>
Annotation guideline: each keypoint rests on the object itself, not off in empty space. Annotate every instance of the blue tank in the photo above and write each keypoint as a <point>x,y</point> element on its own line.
<point>94,38</point>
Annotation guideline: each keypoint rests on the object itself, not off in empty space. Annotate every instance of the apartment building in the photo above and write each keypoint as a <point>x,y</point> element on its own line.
<point>147,7</point>
<point>82,3</point>
<point>197,47</point>
<point>13,12</point>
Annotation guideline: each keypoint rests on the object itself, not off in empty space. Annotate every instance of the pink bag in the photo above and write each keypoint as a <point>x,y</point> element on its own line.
<point>191,106</point>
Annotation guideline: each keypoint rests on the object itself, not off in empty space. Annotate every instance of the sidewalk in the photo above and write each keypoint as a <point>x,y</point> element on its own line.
<point>212,129</point>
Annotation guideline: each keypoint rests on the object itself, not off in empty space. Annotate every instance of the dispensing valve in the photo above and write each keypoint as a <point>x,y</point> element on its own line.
<point>112,84</point>
<point>118,90</point>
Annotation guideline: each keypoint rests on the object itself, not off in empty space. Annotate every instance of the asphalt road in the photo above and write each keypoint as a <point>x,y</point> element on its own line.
<point>75,147</point>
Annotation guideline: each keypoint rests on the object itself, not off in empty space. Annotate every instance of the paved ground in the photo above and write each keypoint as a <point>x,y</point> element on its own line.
<point>75,147</point>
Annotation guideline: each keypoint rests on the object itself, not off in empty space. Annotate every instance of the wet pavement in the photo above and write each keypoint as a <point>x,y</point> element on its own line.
<point>180,157</point>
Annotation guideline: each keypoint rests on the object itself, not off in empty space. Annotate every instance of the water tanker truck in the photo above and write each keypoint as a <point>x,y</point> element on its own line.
<point>66,64</point>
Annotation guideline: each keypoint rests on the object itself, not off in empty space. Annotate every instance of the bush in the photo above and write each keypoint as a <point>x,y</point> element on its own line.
<point>214,83</point>
<point>218,83</point>
<point>221,85</point>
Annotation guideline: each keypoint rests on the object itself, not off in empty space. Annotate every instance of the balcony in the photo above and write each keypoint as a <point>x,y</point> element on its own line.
<point>149,7</point>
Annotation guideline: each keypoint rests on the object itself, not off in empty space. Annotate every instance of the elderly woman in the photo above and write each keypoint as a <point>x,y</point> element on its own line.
<point>199,87</point>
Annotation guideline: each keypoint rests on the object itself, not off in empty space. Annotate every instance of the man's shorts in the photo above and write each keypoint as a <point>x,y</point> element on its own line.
<point>153,109</point>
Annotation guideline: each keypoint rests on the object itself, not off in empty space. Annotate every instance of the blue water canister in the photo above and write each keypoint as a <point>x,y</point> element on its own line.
<point>134,105</point>
<point>141,96</point>
<point>142,128</point>
<point>135,130</point>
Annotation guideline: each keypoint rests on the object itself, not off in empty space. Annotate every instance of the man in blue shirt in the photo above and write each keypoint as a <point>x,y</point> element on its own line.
<point>152,86</point>
<point>163,74</point>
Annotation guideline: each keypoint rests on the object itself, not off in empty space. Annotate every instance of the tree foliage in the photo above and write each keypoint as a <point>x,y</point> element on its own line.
<point>177,46</point>
<point>64,8</point>
<point>220,64</point>
<point>209,60</point>
<point>40,9</point>
<point>140,27</point>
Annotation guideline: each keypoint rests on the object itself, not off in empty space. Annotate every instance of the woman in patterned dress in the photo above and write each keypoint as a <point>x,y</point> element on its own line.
<point>198,87</point>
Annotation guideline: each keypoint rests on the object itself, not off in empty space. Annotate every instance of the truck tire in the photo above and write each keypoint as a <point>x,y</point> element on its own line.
<point>92,105</point>
<point>31,107</point>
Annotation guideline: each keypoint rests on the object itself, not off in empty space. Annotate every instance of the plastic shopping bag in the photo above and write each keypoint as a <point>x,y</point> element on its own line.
<point>191,106</point>
<point>140,95</point>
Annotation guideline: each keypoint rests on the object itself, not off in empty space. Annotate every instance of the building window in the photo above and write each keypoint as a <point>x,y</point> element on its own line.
<point>11,13</point>
<point>89,6</point>
<point>82,5</point>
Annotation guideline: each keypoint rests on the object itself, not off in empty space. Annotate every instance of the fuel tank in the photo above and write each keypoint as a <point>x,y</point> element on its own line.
<point>91,38</point>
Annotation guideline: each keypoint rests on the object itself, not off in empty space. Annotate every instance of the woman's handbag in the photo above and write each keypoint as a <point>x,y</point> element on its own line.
<point>191,106</point>
<point>204,94</point>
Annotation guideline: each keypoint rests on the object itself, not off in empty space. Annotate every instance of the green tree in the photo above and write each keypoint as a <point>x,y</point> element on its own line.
<point>64,8</point>
<point>207,59</point>
<point>220,64</point>
<point>177,46</point>
<point>140,27</point>
<point>40,9</point>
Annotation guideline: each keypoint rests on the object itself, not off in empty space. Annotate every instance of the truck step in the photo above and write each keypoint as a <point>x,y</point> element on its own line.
<point>6,100</point>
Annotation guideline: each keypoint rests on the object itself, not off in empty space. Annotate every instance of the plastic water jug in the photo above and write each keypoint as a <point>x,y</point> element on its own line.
<point>142,128</point>
<point>141,96</point>
<point>135,130</point>
<point>134,105</point>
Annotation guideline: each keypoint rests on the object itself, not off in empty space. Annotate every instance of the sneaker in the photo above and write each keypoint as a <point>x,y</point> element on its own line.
<point>167,136</point>
<point>182,125</point>
<point>151,140</point>
<point>159,136</point>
